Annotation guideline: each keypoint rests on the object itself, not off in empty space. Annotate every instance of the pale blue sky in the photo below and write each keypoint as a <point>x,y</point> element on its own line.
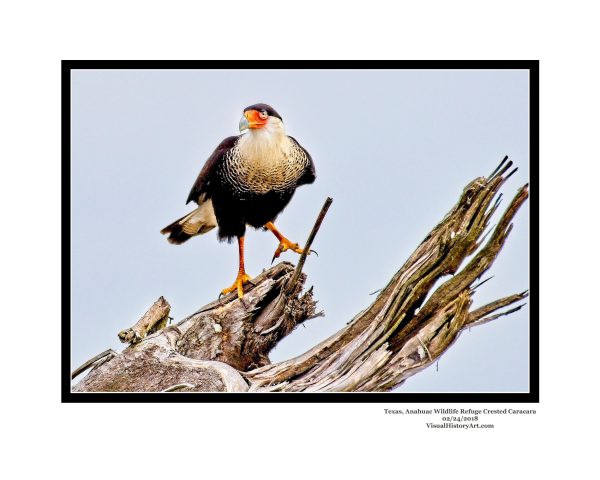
<point>393,148</point>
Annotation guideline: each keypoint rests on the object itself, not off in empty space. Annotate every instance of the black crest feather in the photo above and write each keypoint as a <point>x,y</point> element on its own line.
<point>267,108</point>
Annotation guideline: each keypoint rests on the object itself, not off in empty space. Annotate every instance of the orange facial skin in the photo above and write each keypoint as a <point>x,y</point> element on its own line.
<point>254,119</point>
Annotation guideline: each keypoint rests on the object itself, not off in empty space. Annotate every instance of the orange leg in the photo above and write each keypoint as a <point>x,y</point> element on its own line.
<point>284,243</point>
<point>241,276</point>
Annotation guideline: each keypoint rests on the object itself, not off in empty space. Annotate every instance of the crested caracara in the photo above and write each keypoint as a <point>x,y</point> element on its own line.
<point>248,180</point>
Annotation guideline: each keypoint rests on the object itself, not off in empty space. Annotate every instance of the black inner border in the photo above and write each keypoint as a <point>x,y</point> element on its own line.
<point>391,397</point>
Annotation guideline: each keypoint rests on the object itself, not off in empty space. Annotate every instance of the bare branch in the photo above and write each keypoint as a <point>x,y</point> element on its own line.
<point>94,361</point>
<point>224,346</point>
<point>294,280</point>
<point>153,320</point>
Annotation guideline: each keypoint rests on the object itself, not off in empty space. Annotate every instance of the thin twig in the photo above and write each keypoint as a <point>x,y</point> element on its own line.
<point>289,289</point>
<point>481,283</point>
<point>476,315</point>
<point>481,321</point>
<point>92,361</point>
<point>501,171</point>
<point>498,167</point>
<point>511,174</point>
<point>294,280</point>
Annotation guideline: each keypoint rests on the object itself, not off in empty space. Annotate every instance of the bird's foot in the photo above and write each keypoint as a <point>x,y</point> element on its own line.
<point>285,244</point>
<point>238,285</point>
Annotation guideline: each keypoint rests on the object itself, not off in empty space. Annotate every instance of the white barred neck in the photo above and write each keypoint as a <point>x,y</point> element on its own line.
<point>267,144</point>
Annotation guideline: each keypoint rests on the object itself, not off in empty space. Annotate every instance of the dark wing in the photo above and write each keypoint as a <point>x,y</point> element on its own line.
<point>204,177</point>
<point>310,173</point>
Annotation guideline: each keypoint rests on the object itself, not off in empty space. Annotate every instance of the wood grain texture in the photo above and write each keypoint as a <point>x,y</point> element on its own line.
<point>406,328</point>
<point>152,321</point>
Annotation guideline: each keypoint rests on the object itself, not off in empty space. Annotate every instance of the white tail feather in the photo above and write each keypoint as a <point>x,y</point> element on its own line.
<point>200,220</point>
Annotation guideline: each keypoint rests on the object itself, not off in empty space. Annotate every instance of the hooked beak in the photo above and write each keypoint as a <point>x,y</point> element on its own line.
<point>252,119</point>
<point>244,125</point>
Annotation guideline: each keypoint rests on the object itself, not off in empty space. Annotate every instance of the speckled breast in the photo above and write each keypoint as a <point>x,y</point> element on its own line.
<point>261,173</point>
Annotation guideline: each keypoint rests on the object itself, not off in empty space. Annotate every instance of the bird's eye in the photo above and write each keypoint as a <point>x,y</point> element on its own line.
<point>263,114</point>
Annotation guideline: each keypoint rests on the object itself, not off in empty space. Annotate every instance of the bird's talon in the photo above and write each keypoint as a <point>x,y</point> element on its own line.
<point>277,253</point>
<point>238,285</point>
<point>284,245</point>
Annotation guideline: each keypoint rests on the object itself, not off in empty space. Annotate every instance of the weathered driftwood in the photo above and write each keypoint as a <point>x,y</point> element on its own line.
<point>225,345</point>
<point>153,320</point>
<point>96,361</point>
<point>208,348</point>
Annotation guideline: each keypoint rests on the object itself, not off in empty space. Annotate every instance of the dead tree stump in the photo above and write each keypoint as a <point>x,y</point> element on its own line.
<point>224,346</point>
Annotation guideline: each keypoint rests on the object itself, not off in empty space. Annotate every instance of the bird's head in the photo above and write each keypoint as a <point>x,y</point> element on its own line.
<point>260,117</point>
